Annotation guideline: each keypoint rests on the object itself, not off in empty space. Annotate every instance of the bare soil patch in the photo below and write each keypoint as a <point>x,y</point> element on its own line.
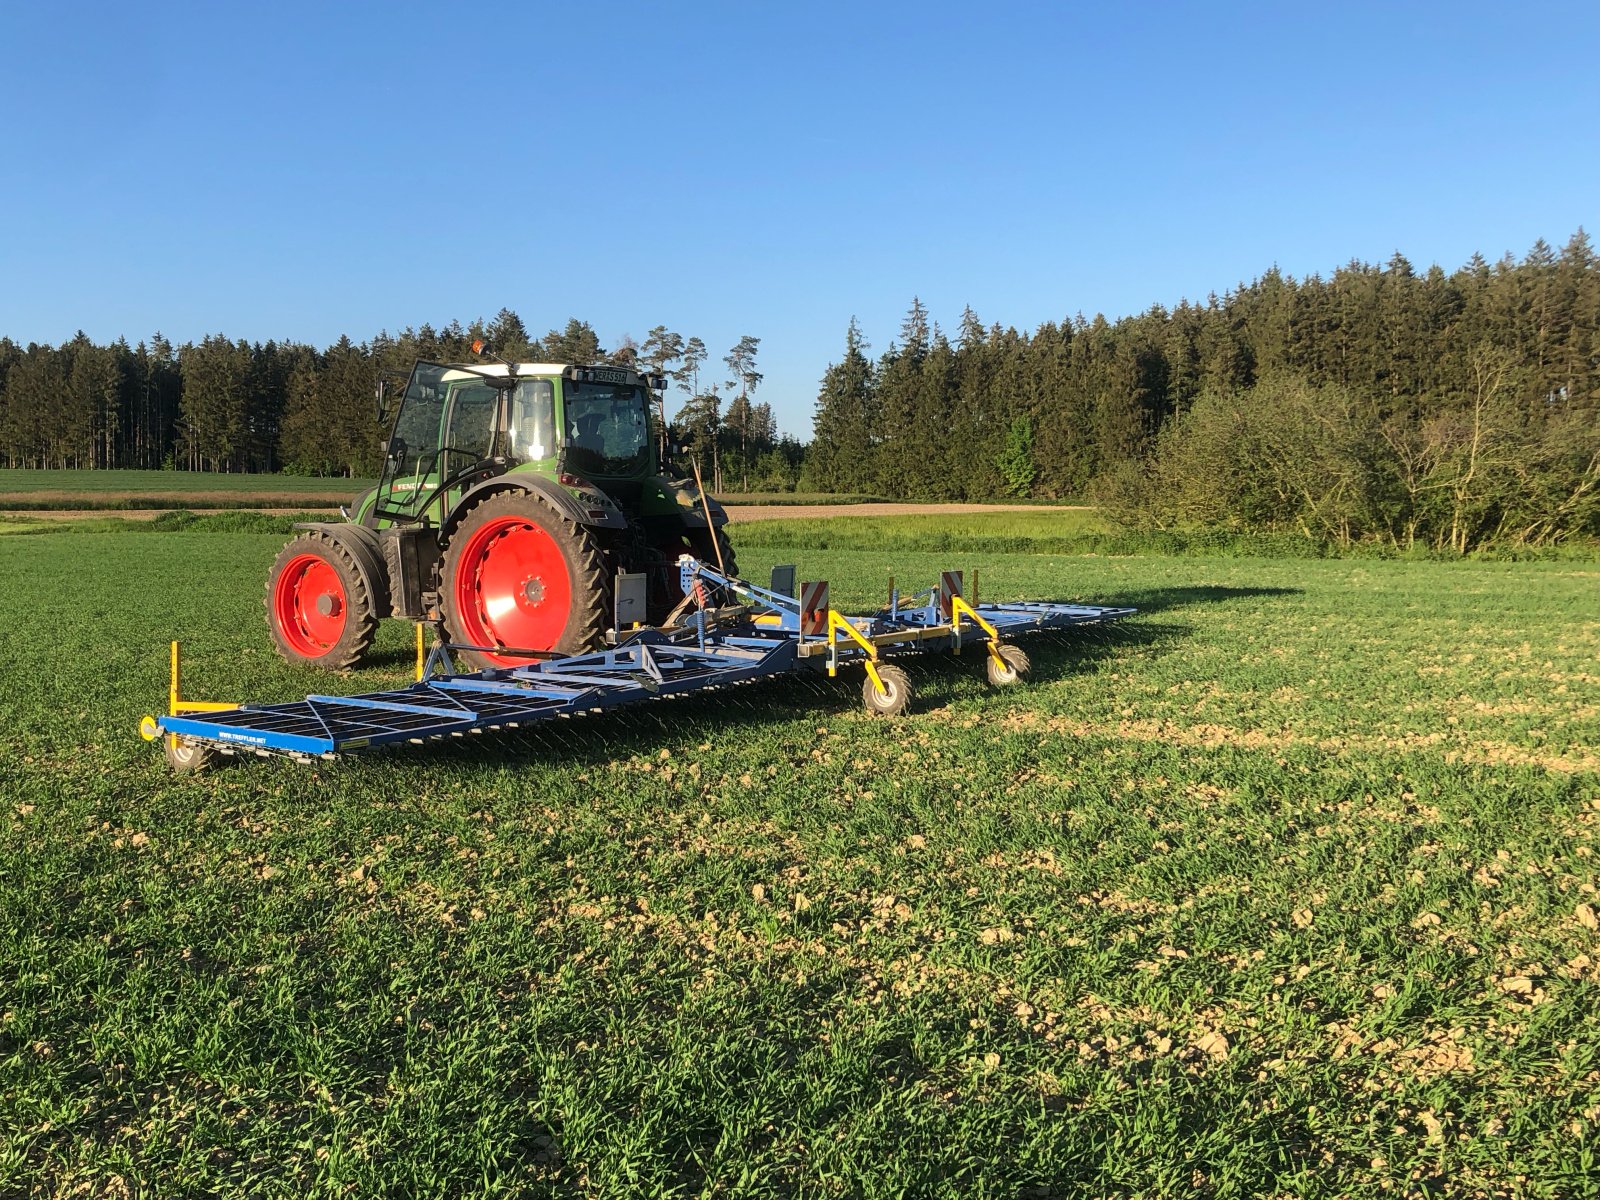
<point>783,512</point>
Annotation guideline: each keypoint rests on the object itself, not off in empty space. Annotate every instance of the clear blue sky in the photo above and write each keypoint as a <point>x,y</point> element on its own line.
<point>298,171</point>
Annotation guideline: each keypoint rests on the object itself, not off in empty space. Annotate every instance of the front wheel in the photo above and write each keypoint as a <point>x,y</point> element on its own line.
<point>318,607</point>
<point>517,575</point>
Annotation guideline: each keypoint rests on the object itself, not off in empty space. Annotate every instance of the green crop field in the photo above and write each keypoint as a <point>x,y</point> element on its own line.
<point>1286,888</point>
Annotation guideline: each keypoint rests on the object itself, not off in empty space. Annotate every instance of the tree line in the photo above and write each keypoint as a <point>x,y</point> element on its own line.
<point>1447,410</point>
<point>1377,403</point>
<point>222,404</point>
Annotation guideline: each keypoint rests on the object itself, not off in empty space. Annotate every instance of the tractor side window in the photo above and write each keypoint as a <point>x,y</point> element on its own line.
<point>471,422</point>
<point>533,420</point>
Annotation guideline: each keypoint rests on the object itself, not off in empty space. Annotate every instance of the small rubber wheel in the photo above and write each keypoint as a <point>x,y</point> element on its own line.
<point>895,697</point>
<point>318,607</point>
<point>1016,669</point>
<point>186,757</point>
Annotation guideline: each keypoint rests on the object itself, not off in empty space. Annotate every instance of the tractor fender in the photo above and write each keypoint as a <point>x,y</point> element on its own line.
<point>362,544</point>
<point>683,502</point>
<point>695,517</point>
<point>602,514</point>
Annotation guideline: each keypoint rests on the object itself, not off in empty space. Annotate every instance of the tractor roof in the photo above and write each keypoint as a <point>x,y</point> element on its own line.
<point>630,374</point>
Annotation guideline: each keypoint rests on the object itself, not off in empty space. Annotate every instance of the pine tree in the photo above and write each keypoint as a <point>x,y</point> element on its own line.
<point>211,412</point>
<point>687,376</point>
<point>508,337</point>
<point>577,344</point>
<point>839,459</point>
<point>661,349</point>
<point>741,364</point>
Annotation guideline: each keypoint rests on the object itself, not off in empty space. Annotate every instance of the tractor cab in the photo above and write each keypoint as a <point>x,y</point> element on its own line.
<point>460,425</point>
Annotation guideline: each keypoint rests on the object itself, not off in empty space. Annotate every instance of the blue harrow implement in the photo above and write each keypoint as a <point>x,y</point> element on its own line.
<point>730,632</point>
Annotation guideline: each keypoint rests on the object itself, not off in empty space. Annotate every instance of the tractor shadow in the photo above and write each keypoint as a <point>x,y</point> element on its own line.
<point>1156,600</point>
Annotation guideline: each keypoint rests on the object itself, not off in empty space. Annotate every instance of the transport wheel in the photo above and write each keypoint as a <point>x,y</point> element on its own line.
<point>517,574</point>
<point>1016,668</point>
<point>896,696</point>
<point>318,607</point>
<point>186,757</point>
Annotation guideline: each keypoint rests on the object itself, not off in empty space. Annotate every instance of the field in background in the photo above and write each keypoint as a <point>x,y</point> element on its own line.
<point>91,491</point>
<point>1287,887</point>
<point>79,491</point>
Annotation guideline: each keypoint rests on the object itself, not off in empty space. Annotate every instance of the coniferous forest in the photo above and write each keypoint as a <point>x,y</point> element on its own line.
<point>1443,410</point>
<point>1448,411</point>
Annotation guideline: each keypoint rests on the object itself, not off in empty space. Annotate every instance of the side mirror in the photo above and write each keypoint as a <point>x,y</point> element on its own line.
<point>379,396</point>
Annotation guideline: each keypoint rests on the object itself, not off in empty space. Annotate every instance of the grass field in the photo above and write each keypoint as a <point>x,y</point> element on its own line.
<point>1286,888</point>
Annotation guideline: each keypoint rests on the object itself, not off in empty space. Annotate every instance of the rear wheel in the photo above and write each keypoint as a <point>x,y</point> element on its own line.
<point>318,607</point>
<point>704,544</point>
<point>518,575</point>
<point>186,757</point>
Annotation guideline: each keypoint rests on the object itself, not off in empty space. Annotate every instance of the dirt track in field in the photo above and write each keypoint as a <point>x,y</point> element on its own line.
<point>777,512</point>
<point>737,513</point>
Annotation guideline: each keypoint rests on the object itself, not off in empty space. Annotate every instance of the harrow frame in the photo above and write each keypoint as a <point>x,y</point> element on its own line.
<point>768,633</point>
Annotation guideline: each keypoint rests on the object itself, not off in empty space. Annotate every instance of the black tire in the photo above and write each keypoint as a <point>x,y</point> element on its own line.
<point>587,578</point>
<point>186,757</point>
<point>703,544</point>
<point>301,637</point>
<point>1017,666</point>
<point>896,696</point>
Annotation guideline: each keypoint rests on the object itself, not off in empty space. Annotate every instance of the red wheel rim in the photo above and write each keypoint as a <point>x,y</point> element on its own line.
<point>310,605</point>
<point>511,587</point>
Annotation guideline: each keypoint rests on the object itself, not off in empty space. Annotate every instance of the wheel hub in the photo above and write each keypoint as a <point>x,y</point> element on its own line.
<point>309,605</point>
<point>511,585</point>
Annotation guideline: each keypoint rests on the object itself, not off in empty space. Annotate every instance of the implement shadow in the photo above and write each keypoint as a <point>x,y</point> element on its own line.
<point>733,712</point>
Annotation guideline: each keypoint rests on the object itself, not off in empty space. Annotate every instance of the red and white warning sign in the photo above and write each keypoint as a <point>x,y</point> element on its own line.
<point>814,609</point>
<point>949,585</point>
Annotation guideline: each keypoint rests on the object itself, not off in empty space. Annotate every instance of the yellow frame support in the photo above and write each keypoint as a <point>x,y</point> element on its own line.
<point>836,622</point>
<point>176,705</point>
<point>958,606</point>
<point>183,706</point>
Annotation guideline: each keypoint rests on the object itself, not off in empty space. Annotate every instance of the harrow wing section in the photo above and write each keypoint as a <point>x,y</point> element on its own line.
<point>749,633</point>
<point>645,666</point>
<point>1022,617</point>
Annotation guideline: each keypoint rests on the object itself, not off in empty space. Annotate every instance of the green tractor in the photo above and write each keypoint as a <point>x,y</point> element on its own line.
<point>523,505</point>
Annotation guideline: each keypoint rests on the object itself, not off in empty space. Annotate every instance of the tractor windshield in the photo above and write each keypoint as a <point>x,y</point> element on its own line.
<point>608,428</point>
